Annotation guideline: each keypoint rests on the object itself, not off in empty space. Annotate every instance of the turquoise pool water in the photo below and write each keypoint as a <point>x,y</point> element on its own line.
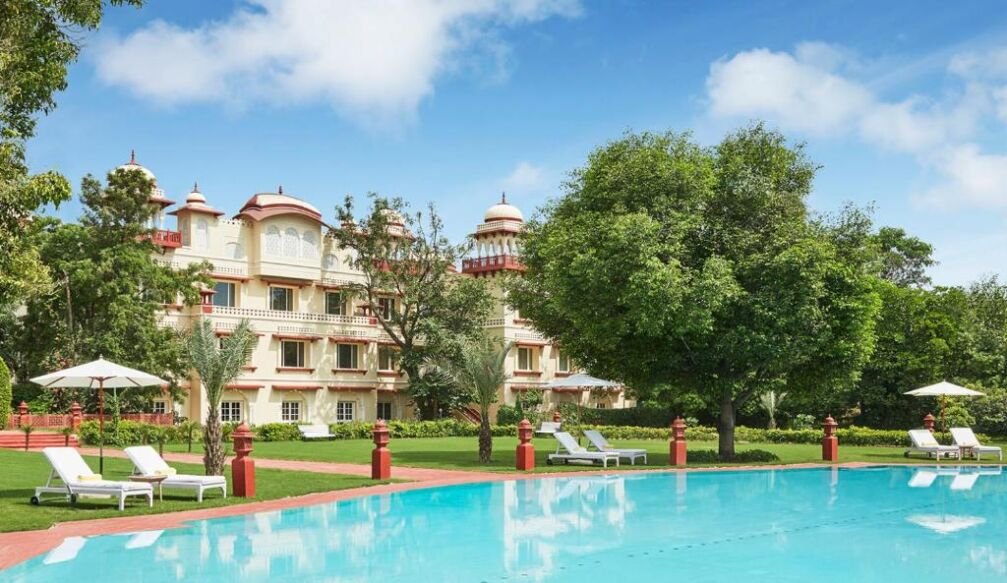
<point>896,524</point>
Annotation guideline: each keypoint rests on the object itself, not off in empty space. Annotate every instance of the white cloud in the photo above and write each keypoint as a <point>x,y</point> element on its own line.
<point>526,177</point>
<point>373,61</point>
<point>813,90</point>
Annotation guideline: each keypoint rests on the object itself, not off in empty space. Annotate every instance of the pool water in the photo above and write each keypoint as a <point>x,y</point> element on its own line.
<point>891,524</point>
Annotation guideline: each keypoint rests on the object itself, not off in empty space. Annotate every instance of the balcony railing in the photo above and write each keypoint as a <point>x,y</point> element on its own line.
<point>491,263</point>
<point>298,316</point>
<point>164,238</point>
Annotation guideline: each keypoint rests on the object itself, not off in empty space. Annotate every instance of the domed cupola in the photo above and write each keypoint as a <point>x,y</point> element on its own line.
<point>496,244</point>
<point>502,211</point>
<point>269,204</point>
<point>156,194</point>
<point>195,202</point>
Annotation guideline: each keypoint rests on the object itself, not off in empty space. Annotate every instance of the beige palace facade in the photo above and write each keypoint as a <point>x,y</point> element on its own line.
<point>320,358</point>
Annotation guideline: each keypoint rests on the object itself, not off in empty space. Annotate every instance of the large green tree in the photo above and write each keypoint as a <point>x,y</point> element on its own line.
<point>110,290</point>
<point>410,286</point>
<point>667,263</point>
<point>38,41</point>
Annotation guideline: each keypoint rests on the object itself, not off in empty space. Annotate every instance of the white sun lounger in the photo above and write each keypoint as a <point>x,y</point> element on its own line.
<point>78,479</point>
<point>964,437</point>
<point>548,428</point>
<point>148,463</point>
<point>601,444</point>
<point>569,450</point>
<point>315,432</point>
<point>924,442</point>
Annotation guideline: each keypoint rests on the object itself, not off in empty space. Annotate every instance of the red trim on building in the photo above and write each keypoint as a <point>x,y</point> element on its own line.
<point>350,370</point>
<point>528,387</point>
<point>294,369</point>
<point>286,282</point>
<point>389,373</point>
<point>303,337</point>
<point>348,388</point>
<point>568,389</point>
<point>527,373</point>
<point>243,386</point>
<point>350,340</point>
<point>222,333</point>
<point>249,368</point>
<point>562,374</point>
<point>535,343</point>
<point>241,278</point>
<point>297,387</point>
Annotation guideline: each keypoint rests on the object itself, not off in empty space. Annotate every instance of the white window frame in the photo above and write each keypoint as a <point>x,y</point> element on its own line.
<point>230,408</point>
<point>356,356</point>
<point>342,303</point>
<point>531,358</point>
<point>386,307</point>
<point>159,404</point>
<point>233,293</point>
<point>345,411</point>
<point>562,359</point>
<point>388,358</point>
<point>290,298</point>
<point>302,354</point>
<point>286,407</point>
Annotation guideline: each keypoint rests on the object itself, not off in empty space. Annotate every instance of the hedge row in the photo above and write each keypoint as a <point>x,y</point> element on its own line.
<point>131,433</point>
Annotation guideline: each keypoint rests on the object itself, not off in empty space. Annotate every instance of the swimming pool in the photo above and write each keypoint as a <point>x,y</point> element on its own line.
<point>891,524</point>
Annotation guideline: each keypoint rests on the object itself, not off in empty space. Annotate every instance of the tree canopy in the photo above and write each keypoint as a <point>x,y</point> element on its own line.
<point>109,292</point>
<point>670,264</point>
<point>411,288</point>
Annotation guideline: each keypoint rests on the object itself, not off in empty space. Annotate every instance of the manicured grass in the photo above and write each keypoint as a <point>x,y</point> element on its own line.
<point>23,471</point>
<point>460,453</point>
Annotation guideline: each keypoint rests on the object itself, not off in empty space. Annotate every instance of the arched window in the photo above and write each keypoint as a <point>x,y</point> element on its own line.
<point>309,245</point>
<point>202,234</point>
<point>331,261</point>
<point>234,251</point>
<point>273,241</point>
<point>291,242</point>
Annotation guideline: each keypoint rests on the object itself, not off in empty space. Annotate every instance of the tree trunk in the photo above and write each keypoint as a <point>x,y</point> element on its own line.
<point>213,447</point>
<point>725,428</point>
<point>485,440</point>
<point>772,422</point>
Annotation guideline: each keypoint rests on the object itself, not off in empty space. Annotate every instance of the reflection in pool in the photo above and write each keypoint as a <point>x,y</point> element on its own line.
<point>896,524</point>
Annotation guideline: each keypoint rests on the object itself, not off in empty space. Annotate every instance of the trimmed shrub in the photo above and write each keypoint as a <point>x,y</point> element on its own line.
<point>6,394</point>
<point>507,415</point>
<point>752,456</point>
<point>278,432</point>
<point>130,433</point>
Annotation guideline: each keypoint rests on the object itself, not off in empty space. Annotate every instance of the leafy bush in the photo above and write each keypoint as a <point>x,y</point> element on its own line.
<point>130,433</point>
<point>709,456</point>
<point>990,412</point>
<point>278,432</point>
<point>956,415</point>
<point>6,394</point>
<point>415,429</point>
<point>507,415</point>
<point>802,421</point>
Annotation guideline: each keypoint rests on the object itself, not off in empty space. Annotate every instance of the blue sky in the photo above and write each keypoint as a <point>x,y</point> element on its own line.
<point>904,104</point>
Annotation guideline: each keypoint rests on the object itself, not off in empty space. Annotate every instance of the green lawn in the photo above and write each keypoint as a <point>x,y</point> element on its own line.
<point>461,452</point>
<point>23,471</point>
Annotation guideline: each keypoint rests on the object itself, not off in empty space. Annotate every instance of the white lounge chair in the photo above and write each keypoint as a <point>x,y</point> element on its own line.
<point>965,438</point>
<point>601,444</point>
<point>924,442</point>
<point>78,479</point>
<point>576,452</point>
<point>147,462</point>
<point>548,428</point>
<point>315,432</point>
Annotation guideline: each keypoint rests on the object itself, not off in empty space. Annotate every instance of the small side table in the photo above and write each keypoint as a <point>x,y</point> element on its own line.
<point>965,450</point>
<point>152,480</point>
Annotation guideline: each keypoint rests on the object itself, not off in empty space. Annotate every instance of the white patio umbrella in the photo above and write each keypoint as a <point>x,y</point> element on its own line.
<point>99,374</point>
<point>943,389</point>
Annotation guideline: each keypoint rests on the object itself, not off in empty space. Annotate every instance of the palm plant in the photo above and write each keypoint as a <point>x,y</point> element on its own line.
<point>27,430</point>
<point>217,363</point>
<point>481,366</point>
<point>188,428</point>
<point>770,402</point>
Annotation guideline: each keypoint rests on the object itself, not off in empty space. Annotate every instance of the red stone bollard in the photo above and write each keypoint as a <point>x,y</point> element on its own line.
<point>75,416</point>
<point>243,467</point>
<point>678,450</point>
<point>928,422</point>
<point>525,450</point>
<point>830,443</point>
<point>23,418</point>
<point>381,457</point>
<point>556,417</point>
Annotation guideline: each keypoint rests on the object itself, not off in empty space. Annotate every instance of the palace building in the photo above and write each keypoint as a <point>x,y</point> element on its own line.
<point>320,358</point>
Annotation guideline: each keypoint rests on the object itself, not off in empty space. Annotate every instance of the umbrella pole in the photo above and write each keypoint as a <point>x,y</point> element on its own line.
<point>101,427</point>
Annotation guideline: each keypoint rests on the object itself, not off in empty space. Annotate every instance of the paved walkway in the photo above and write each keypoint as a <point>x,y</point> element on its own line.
<point>19,546</point>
